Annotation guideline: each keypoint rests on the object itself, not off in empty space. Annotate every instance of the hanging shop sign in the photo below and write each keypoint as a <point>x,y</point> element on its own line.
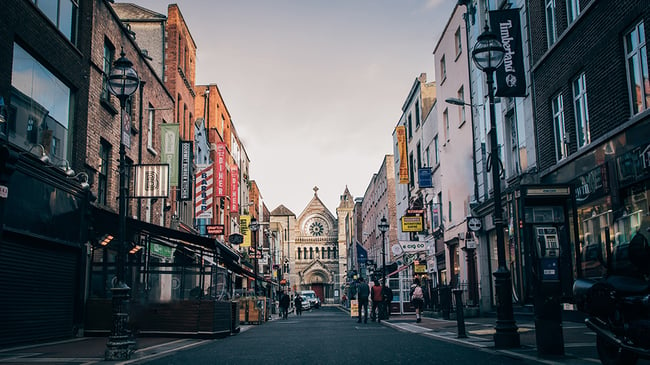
<point>185,178</point>
<point>204,192</point>
<point>413,246</point>
<point>151,181</point>
<point>412,224</point>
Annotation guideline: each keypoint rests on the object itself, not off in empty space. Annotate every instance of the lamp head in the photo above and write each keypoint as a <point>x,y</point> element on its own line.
<point>383,225</point>
<point>488,52</point>
<point>123,81</point>
<point>253,225</point>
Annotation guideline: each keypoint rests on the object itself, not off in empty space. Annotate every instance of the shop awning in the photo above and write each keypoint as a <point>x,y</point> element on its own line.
<point>106,221</point>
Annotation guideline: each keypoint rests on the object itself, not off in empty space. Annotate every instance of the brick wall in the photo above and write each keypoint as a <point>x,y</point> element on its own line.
<point>593,45</point>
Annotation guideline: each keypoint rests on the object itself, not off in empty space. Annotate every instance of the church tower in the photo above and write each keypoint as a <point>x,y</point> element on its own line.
<point>345,215</point>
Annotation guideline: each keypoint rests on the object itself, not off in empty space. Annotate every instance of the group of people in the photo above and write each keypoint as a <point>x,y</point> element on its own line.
<point>381,296</point>
<point>285,302</point>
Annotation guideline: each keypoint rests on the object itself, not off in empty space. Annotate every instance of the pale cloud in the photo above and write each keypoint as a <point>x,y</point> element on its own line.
<point>431,4</point>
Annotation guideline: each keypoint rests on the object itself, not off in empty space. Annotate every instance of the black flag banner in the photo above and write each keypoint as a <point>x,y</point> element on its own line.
<point>510,77</point>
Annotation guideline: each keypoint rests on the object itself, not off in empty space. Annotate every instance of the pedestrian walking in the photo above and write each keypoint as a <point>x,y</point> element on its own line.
<point>284,305</point>
<point>363,291</point>
<point>387,295</point>
<point>298,303</point>
<point>377,301</point>
<point>417,299</point>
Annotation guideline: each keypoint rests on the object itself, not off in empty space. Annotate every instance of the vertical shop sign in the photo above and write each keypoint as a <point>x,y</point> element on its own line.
<point>234,188</point>
<point>403,157</point>
<point>221,175</point>
<point>185,164</point>
<point>510,77</point>
<point>169,155</point>
<point>204,192</point>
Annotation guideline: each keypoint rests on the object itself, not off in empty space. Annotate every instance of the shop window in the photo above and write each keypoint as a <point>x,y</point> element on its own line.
<point>40,106</point>
<point>637,68</point>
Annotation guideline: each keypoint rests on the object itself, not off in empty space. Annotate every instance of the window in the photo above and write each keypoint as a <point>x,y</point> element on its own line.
<point>443,68</point>
<point>436,156</point>
<point>410,128</point>
<point>109,53</point>
<point>445,120</point>
<point>637,69</point>
<point>311,253</point>
<point>418,150</point>
<point>461,109</point>
<point>581,111</point>
<point>551,34</point>
<point>411,172</point>
<point>427,156</point>
<point>150,127</point>
<point>417,113</point>
<point>572,10</point>
<point>102,179</point>
<point>561,140</point>
<point>513,148</point>
<point>39,106</point>
<point>63,13</point>
<point>449,211</point>
<point>458,41</point>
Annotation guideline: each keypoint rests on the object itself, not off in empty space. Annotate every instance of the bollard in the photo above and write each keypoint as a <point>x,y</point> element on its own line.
<point>445,301</point>
<point>460,316</point>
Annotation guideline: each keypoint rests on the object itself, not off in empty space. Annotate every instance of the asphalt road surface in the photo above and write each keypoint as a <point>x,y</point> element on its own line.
<point>329,336</point>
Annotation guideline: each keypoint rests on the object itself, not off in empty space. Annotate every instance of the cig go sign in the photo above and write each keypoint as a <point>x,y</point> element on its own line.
<point>413,246</point>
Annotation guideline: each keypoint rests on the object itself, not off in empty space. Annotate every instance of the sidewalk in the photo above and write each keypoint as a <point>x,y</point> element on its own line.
<point>90,350</point>
<point>579,342</point>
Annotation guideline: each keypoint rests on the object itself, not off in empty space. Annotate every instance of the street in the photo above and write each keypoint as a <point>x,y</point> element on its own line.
<point>329,336</point>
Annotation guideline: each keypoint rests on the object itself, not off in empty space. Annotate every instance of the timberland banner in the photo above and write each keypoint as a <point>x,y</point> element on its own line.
<point>403,155</point>
<point>510,77</point>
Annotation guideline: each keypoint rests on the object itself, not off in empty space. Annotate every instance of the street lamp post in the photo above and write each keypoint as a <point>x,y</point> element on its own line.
<point>488,55</point>
<point>383,228</point>
<point>123,81</point>
<point>254,227</point>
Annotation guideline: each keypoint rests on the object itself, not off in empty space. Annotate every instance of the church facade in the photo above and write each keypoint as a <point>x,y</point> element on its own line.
<point>318,256</point>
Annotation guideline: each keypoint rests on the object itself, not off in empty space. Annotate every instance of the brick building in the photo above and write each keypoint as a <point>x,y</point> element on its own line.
<point>592,113</point>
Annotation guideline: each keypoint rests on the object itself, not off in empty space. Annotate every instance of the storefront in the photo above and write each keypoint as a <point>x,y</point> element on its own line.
<point>181,283</point>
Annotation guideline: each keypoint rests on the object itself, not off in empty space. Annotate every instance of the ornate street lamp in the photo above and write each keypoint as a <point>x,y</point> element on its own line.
<point>123,81</point>
<point>383,228</point>
<point>254,227</point>
<point>488,55</point>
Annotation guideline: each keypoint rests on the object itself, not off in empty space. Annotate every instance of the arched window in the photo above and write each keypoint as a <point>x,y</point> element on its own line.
<point>299,251</point>
<point>329,252</point>
<point>311,252</point>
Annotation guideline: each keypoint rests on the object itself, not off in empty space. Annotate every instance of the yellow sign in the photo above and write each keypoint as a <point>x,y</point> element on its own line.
<point>400,131</point>
<point>420,268</point>
<point>244,221</point>
<point>354,308</point>
<point>412,224</point>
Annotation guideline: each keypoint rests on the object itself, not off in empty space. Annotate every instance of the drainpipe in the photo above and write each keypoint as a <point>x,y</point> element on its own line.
<point>141,109</point>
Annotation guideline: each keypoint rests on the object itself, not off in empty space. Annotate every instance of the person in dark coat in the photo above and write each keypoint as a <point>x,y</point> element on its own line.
<point>297,302</point>
<point>363,291</point>
<point>284,305</point>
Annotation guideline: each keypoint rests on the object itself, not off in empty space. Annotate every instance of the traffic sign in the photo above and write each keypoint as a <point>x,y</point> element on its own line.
<point>474,224</point>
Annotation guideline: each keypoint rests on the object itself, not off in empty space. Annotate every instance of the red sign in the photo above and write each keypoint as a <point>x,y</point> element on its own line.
<point>234,188</point>
<point>220,171</point>
<point>214,229</point>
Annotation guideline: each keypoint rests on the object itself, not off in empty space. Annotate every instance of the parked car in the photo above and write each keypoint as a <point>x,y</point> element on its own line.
<point>314,301</point>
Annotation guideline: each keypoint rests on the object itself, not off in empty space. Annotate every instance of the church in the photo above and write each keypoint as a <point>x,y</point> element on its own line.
<point>316,246</point>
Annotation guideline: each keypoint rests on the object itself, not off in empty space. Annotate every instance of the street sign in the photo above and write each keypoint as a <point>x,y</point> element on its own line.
<point>214,229</point>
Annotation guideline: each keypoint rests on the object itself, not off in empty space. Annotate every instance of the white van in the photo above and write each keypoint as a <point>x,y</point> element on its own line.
<point>314,301</point>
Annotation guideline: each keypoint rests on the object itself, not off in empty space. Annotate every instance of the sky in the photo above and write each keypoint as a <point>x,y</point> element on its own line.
<point>314,87</point>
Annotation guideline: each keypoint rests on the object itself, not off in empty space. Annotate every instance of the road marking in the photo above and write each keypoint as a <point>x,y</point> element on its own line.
<point>160,354</point>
